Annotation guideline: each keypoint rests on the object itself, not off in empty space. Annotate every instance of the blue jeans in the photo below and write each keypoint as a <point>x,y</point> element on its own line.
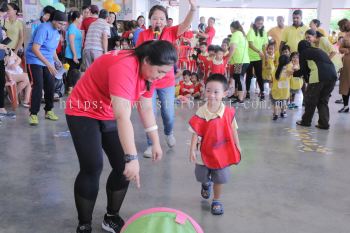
<point>167,105</point>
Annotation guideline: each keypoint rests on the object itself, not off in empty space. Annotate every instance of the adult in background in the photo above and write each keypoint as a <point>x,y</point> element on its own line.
<point>46,16</point>
<point>344,80</point>
<point>14,28</point>
<point>292,35</point>
<point>239,57</point>
<point>94,12</point>
<point>315,25</point>
<point>141,22</point>
<point>319,72</point>
<point>276,34</point>
<point>96,41</point>
<point>40,58</point>
<point>98,115</point>
<point>257,39</point>
<point>112,19</point>
<point>209,33</point>
<point>74,42</point>
<point>165,88</point>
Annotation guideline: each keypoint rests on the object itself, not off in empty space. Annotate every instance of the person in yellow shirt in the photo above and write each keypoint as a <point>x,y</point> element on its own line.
<point>14,27</point>
<point>292,35</point>
<point>276,34</point>
<point>315,25</point>
<point>333,38</point>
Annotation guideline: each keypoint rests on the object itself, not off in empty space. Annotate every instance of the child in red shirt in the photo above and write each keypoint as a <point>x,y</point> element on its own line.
<point>202,57</point>
<point>186,87</point>
<point>219,63</point>
<point>206,63</point>
<point>215,144</point>
<point>198,87</point>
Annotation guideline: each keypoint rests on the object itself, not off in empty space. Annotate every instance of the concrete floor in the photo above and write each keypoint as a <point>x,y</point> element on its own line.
<point>280,185</point>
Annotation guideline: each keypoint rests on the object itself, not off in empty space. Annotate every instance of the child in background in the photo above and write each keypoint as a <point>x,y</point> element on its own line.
<point>202,58</point>
<point>211,55</point>
<point>15,74</point>
<point>225,45</point>
<point>280,91</point>
<point>285,50</point>
<point>296,83</point>
<point>269,64</point>
<point>215,144</point>
<point>218,64</point>
<point>186,87</point>
<point>124,43</point>
<point>198,88</point>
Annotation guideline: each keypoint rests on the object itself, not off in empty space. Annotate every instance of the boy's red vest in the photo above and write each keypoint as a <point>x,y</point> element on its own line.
<point>218,149</point>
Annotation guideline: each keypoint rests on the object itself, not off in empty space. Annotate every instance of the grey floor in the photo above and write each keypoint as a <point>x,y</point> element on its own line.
<point>290,179</point>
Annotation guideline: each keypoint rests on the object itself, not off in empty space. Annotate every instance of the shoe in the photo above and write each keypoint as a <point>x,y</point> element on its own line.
<point>33,120</point>
<point>148,152</point>
<point>206,190</point>
<point>322,127</point>
<point>275,117</point>
<point>339,101</point>
<point>284,114</point>
<point>262,97</point>
<point>303,124</point>
<point>217,208</point>
<point>10,115</point>
<point>296,106</point>
<point>50,115</point>
<point>291,106</point>
<point>247,96</point>
<point>112,223</point>
<point>344,109</point>
<point>86,228</point>
<point>25,105</point>
<point>56,97</point>
<point>170,140</point>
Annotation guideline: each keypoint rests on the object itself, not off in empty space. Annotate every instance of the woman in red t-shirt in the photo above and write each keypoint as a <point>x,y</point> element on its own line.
<point>141,22</point>
<point>98,115</point>
<point>165,88</point>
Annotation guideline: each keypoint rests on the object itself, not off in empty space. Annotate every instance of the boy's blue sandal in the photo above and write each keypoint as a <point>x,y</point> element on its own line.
<point>206,190</point>
<point>217,208</point>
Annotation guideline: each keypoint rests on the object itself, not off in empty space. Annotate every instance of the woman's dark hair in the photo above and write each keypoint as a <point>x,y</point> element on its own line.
<point>344,25</point>
<point>157,52</point>
<point>218,78</point>
<point>160,8</point>
<point>225,41</point>
<point>282,61</point>
<point>48,10</point>
<point>237,26</point>
<point>73,15</point>
<point>132,24</point>
<point>203,43</point>
<point>314,33</point>
<point>261,30</point>
<point>316,22</point>
<point>141,16</point>
<point>14,6</point>
<point>304,44</point>
<point>292,55</point>
<point>186,73</point>
<point>115,18</point>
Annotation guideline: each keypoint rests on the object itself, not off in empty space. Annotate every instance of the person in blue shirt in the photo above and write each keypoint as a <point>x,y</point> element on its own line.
<point>74,42</point>
<point>40,57</point>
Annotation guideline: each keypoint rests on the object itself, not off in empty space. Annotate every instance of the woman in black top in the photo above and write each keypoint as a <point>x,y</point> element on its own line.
<point>114,32</point>
<point>319,72</point>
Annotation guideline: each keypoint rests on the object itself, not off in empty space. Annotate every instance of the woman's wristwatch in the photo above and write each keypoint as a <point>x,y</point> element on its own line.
<point>128,158</point>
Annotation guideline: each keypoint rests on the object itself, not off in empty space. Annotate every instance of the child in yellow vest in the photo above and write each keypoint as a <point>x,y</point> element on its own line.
<point>296,83</point>
<point>269,64</point>
<point>280,91</point>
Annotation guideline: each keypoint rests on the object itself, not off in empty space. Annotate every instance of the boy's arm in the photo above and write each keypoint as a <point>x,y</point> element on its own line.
<point>235,135</point>
<point>193,147</point>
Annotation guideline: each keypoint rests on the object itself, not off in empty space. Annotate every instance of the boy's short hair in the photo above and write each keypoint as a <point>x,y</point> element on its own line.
<point>219,49</point>
<point>195,74</point>
<point>186,72</point>
<point>285,47</point>
<point>211,48</point>
<point>218,78</point>
<point>203,43</point>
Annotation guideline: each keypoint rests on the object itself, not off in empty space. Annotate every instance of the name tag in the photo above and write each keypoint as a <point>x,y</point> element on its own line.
<point>283,84</point>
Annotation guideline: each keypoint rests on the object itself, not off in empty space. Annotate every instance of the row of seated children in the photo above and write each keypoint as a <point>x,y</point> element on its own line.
<point>189,88</point>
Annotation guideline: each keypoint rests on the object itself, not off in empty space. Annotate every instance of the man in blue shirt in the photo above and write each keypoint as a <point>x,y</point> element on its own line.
<point>40,57</point>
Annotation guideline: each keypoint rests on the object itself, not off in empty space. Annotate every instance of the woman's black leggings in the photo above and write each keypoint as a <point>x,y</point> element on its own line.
<point>346,99</point>
<point>257,66</point>
<point>90,137</point>
<point>240,76</point>
<point>2,84</point>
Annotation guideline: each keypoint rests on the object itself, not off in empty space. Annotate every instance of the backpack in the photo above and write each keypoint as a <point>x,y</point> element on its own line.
<point>164,220</point>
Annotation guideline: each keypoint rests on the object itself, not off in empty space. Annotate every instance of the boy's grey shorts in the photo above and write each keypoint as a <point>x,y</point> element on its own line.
<point>217,176</point>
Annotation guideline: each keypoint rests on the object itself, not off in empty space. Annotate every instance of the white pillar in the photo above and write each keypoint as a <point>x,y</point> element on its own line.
<point>324,12</point>
<point>184,6</point>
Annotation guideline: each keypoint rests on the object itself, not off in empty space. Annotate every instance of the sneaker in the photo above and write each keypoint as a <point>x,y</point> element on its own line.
<point>50,115</point>
<point>86,228</point>
<point>25,105</point>
<point>112,223</point>
<point>33,120</point>
<point>284,114</point>
<point>170,140</point>
<point>148,152</point>
<point>340,101</point>
<point>262,97</point>
<point>275,117</point>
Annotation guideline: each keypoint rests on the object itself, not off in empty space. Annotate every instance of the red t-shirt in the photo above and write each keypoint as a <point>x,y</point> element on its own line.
<point>126,34</point>
<point>211,33</point>
<point>168,34</point>
<point>197,88</point>
<point>183,86</point>
<point>217,69</point>
<point>115,73</point>
<point>143,27</point>
<point>86,23</point>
